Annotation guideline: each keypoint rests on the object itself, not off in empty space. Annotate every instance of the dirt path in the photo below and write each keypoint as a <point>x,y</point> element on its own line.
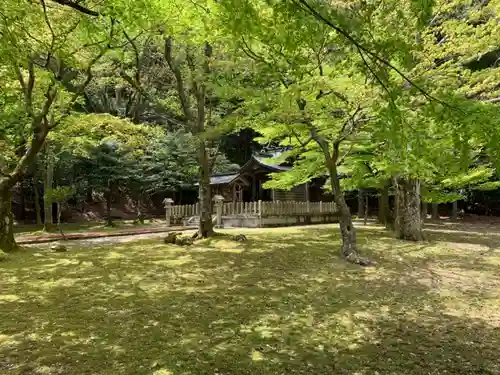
<point>99,241</point>
<point>28,239</point>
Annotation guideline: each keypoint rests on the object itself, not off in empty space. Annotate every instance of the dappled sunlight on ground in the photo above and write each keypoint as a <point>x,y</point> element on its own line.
<point>280,303</point>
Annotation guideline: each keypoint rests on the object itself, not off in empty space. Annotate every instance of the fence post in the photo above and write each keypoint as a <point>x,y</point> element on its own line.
<point>168,209</point>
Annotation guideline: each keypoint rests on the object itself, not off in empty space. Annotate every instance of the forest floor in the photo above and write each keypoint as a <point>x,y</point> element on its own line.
<point>280,303</point>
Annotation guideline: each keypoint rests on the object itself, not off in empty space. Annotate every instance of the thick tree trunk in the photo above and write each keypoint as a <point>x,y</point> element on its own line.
<point>7,242</point>
<point>435,211</point>
<point>454,211</point>
<point>205,228</point>
<point>383,206</point>
<point>361,204</point>
<point>48,182</point>
<point>408,220</point>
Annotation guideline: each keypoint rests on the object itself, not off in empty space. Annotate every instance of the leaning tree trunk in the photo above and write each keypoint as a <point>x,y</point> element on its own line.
<point>7,242</point>
<point>349,248</point>
<point>408,220</point>
<point>206,227</point>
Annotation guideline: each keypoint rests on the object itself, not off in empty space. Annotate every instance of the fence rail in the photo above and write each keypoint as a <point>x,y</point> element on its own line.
<point>258,208</point>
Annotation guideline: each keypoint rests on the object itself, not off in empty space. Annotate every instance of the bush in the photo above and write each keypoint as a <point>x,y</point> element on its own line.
<point>3,255</point>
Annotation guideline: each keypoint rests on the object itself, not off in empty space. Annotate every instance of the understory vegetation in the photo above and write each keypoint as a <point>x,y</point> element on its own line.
<point>279,303</point>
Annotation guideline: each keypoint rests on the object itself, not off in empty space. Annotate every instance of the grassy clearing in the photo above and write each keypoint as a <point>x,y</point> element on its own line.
<point>278,304</point>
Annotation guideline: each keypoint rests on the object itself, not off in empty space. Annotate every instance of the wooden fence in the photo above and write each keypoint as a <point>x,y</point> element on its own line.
<point>260,209</point>
<point>184,211</point>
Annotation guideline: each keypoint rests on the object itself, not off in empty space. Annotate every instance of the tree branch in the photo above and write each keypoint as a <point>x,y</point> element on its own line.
<point>78,7</point>
<point>302,4</point>
<point>181,91</point>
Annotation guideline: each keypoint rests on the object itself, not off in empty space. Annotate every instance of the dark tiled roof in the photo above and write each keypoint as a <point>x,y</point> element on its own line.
<point>223,179</point>
<point>266,161</point>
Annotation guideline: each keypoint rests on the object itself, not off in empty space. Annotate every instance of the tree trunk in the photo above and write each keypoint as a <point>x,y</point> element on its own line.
<point>109,219</point>
<point>22,201</point>
<point>38,209</point>
<point>383,211</point>
<point>59,212</point>
<point>48,181</point>
<point>140,214</point>
<point>408,220</point>
<point>365,221</point>
<point>425,210</point>
<point>7,242</point>
<point>206,227</point>
<point>349,248</point>
<point>361,204</point>
<point>454,211</point>
<point>435,211</point>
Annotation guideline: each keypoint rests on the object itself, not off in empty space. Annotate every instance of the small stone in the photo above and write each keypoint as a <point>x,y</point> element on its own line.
<point>59,248</point>
<point>171,238</point>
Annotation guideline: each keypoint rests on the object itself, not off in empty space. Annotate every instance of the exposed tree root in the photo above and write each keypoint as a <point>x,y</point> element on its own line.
<point>176,238</point>
<point>361,261</point>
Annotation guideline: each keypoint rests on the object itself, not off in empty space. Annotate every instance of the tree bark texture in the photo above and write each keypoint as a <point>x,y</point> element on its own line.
<point>7,242</point>
<point>48,182</point>
<point>408,220</point>
<point>435,211</point>
<point>383,206</point>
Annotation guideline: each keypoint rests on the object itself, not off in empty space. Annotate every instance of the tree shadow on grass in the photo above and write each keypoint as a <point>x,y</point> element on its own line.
<point>283,303</point>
